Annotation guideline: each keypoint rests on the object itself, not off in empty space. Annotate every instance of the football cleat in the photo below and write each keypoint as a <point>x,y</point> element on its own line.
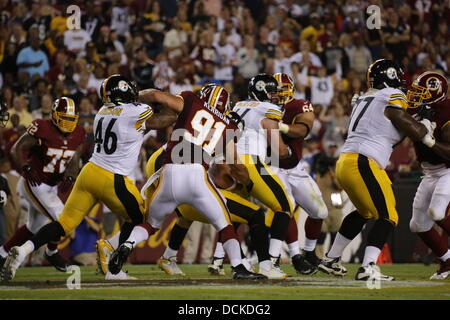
<point>57,261</point>
<point>332,266</point>
<point>120,276</point>
<point>306,263</point>
<point>14,260</point>
<point>119,257</point>
<point>216,267</point>
<point>241,273</point>
<point>272,272</point>
<point>104,250</point>
<point>169,266</point>
<point>443,272</point>
<point>371,272</point>
<point>276,264</point>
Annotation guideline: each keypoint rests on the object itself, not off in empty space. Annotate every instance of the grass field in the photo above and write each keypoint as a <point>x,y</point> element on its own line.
<point>47,283</point>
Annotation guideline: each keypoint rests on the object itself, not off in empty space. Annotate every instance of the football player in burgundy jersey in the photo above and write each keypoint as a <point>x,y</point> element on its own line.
<point>201,134</point>
<point>431,203</point>
<point>297,121</point>
<point>47,156</point>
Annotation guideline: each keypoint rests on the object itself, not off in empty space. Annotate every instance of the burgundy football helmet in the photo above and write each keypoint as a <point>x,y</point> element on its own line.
<point>4,114</point>
<point>286,84</point>
<point>428,88</point>
<point>65,114</point>
<point>216,96</point>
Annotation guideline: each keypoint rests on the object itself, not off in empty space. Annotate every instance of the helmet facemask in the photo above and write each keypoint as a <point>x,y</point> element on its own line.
<point>65,122</point>
<point>4,118</point>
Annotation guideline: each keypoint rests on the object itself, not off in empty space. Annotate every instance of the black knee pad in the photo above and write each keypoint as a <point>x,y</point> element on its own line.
<point>258,218</point>
<point>352,225</point>
<point>51,232</point>
<point>379,233</point>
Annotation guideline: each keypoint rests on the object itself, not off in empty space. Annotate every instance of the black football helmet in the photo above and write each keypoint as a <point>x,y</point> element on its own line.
<point>236,118</point>
<point>263,87</point>
<point>117,89</point>
<point>385,73</point>
<point>4,114</point>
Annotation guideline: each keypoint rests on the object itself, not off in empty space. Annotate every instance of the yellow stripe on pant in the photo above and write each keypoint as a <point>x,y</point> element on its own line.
<point>95,184</point>
<point>367,185</point>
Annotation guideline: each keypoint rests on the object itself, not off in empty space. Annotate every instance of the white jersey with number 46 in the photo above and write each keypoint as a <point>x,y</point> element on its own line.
<point>370,132</point>
<point>119,134</point>
<point>254,140</point>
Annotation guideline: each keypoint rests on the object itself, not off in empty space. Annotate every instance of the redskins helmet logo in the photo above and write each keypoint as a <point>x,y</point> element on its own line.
<point>260,85</point>
<point>123,86</point>
<point>391,73</point>
<point>434,84</point>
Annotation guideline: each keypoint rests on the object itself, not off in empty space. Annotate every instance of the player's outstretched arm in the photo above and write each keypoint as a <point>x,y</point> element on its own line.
<point>23,144</point>
<point>273,134</point>
<point>167,100</point>
<point>165,118</point>
<point>300,128</point>
<point>442,147</point>
<point>406,123</point>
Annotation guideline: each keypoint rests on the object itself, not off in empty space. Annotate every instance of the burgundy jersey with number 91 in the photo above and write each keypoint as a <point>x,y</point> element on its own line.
<point>200,133</point>
<point>54,150</point>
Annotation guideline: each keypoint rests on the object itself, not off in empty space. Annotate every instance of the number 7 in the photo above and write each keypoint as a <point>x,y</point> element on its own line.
<point>367,100</point>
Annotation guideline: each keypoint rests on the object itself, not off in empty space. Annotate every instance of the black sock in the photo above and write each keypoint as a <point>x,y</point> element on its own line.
<point>322,238</point>
<point>125,231</point>
<point>259,235</point>
<point>176,237</point>
<point>51,232</point>
<point>379,233</point>
<point>352,225</point>
<point>279,227</point>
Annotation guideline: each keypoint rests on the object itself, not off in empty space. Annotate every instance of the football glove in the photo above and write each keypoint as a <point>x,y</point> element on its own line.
<point>31,175</point>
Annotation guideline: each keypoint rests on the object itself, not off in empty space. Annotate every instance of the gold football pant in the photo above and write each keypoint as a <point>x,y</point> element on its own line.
<point>95,184</point>
<point>367,185</point>
<point>267,186</point>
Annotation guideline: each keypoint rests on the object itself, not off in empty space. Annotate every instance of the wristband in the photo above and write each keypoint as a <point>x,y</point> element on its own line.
<point>284,128</point>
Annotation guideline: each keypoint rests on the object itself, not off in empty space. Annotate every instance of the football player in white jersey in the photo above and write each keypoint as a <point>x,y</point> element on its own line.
<point>262,115</point>
<point>378,122</point>
<point>119,132</point>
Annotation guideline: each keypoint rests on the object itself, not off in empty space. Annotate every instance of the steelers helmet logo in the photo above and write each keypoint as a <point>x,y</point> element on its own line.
<point>391,73</point>
<point>260,85</point>
<point>123,86</point>
<point>433,84</point>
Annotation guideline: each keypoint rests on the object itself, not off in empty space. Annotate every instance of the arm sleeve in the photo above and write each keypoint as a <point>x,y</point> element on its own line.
<point>274,114</point>
<point>145,113</point>
<point>397,99</point>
